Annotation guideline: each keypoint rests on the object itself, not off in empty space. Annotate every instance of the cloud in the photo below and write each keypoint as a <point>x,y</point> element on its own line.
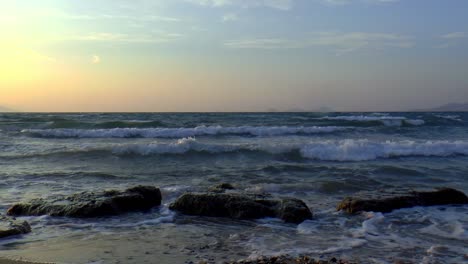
<point>60,14</point>
<point>451,39</point>
<point>275,4</point>
<point>118,17</point>
<point>230,17</point>
<point>95,59</point>
<point>454,35</point>
<point>345,2</point>
<point>336,2</point>
<point>346,42</point>
<point>156,37</point>
<point>339,42</point>
<point>278,4</point>
<point>213,3</point>
<point>264,43</point>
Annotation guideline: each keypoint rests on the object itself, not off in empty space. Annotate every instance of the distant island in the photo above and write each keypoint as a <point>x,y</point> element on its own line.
<point>5,109</point>
<point>451,107</point>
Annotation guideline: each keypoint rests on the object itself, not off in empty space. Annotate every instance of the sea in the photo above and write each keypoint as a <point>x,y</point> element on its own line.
<point>319,158</point>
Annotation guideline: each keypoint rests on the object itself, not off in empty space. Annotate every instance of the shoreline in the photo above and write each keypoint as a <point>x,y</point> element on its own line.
<point>4,260</point>
<point>283,259</point>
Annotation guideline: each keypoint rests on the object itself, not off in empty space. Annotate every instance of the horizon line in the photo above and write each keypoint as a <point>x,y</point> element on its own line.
<point>221,112</point>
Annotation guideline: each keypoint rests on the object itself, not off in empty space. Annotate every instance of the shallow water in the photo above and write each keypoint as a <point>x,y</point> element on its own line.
<point>319,158</point>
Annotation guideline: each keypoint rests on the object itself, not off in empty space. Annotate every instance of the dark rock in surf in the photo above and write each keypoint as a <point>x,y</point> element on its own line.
<point>285,259</point>
<point>92,204</point>
<point>242,206</point>
<point>293,211</point>
<point>12,227</point>
<point>222,187</point>
<point>388,201</point>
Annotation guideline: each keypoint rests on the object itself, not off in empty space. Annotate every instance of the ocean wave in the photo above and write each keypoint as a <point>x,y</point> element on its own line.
<point>361,150</point>
<point>450,117</point>
<point>180,147</point>
<point>385,120</point>
<point>65,174</point>
<point>326,150</point>
<point>330,150</point>
<point>74,124</point>
<point>179,132</point>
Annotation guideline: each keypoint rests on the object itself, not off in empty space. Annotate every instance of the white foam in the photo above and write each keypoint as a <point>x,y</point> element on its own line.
<point>261,246</point>
<point>436,249</point>
<point>175,188</point>
<point>264,188</point>
<point>181,132</point>
<point>308,228</point>
<point>344,244</point>
<point>385,120</point>
<point>457,231</point>
<point>360,150</point>
<point>369,226</point>
<point>180,147</point>
<point>326,150</point>
<point>155,221</point>
<point>414,122</point>
<point>450,117</point>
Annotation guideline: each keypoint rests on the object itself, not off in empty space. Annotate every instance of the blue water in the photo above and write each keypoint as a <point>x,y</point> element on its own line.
<point>317,157</point>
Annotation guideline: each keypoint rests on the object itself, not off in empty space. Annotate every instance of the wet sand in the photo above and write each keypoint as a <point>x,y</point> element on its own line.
<point>11,261</point>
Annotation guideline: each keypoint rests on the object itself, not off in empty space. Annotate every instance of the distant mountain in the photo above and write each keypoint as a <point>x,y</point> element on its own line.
<point>5,109</point>
<point>451,107</point>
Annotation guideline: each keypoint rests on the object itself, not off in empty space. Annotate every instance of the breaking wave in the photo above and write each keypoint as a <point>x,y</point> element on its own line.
<point>70,124</point>
<point>328,150</point>
<point>179,132</point>
<point>342,150</point>
<point>450,117</point>
<point>360,150</point>
<point>385,120</point>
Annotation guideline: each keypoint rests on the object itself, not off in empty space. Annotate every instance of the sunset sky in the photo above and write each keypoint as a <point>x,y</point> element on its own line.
<point>232,55</point>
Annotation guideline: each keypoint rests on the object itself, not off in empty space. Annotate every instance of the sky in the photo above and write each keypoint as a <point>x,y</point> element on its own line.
<point>232,55</point>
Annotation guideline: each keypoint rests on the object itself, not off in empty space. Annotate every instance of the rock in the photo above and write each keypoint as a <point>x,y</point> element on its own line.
<point>285,259</point>
<point>388,201</point>
<point>222,187</point>
<point>293,211</point>
<point>11,227</point>
<point>92,204</point>
<point>241,206</point>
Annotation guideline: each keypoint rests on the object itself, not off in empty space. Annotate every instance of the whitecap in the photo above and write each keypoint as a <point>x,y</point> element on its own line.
<point>385,120</point>
<point>361,150</point>
<point>326,150</point>
<point>450,117</point>
<point>451,230</point>
<point>180,132</point>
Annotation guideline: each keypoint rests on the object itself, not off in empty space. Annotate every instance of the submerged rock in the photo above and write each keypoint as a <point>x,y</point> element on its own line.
<point>241,206</point>
<point>92,204</point>
<point>11,227</point>
<point>389,201</point>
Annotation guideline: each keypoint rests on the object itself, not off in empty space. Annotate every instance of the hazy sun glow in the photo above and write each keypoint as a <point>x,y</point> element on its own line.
<point>21,66</point>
